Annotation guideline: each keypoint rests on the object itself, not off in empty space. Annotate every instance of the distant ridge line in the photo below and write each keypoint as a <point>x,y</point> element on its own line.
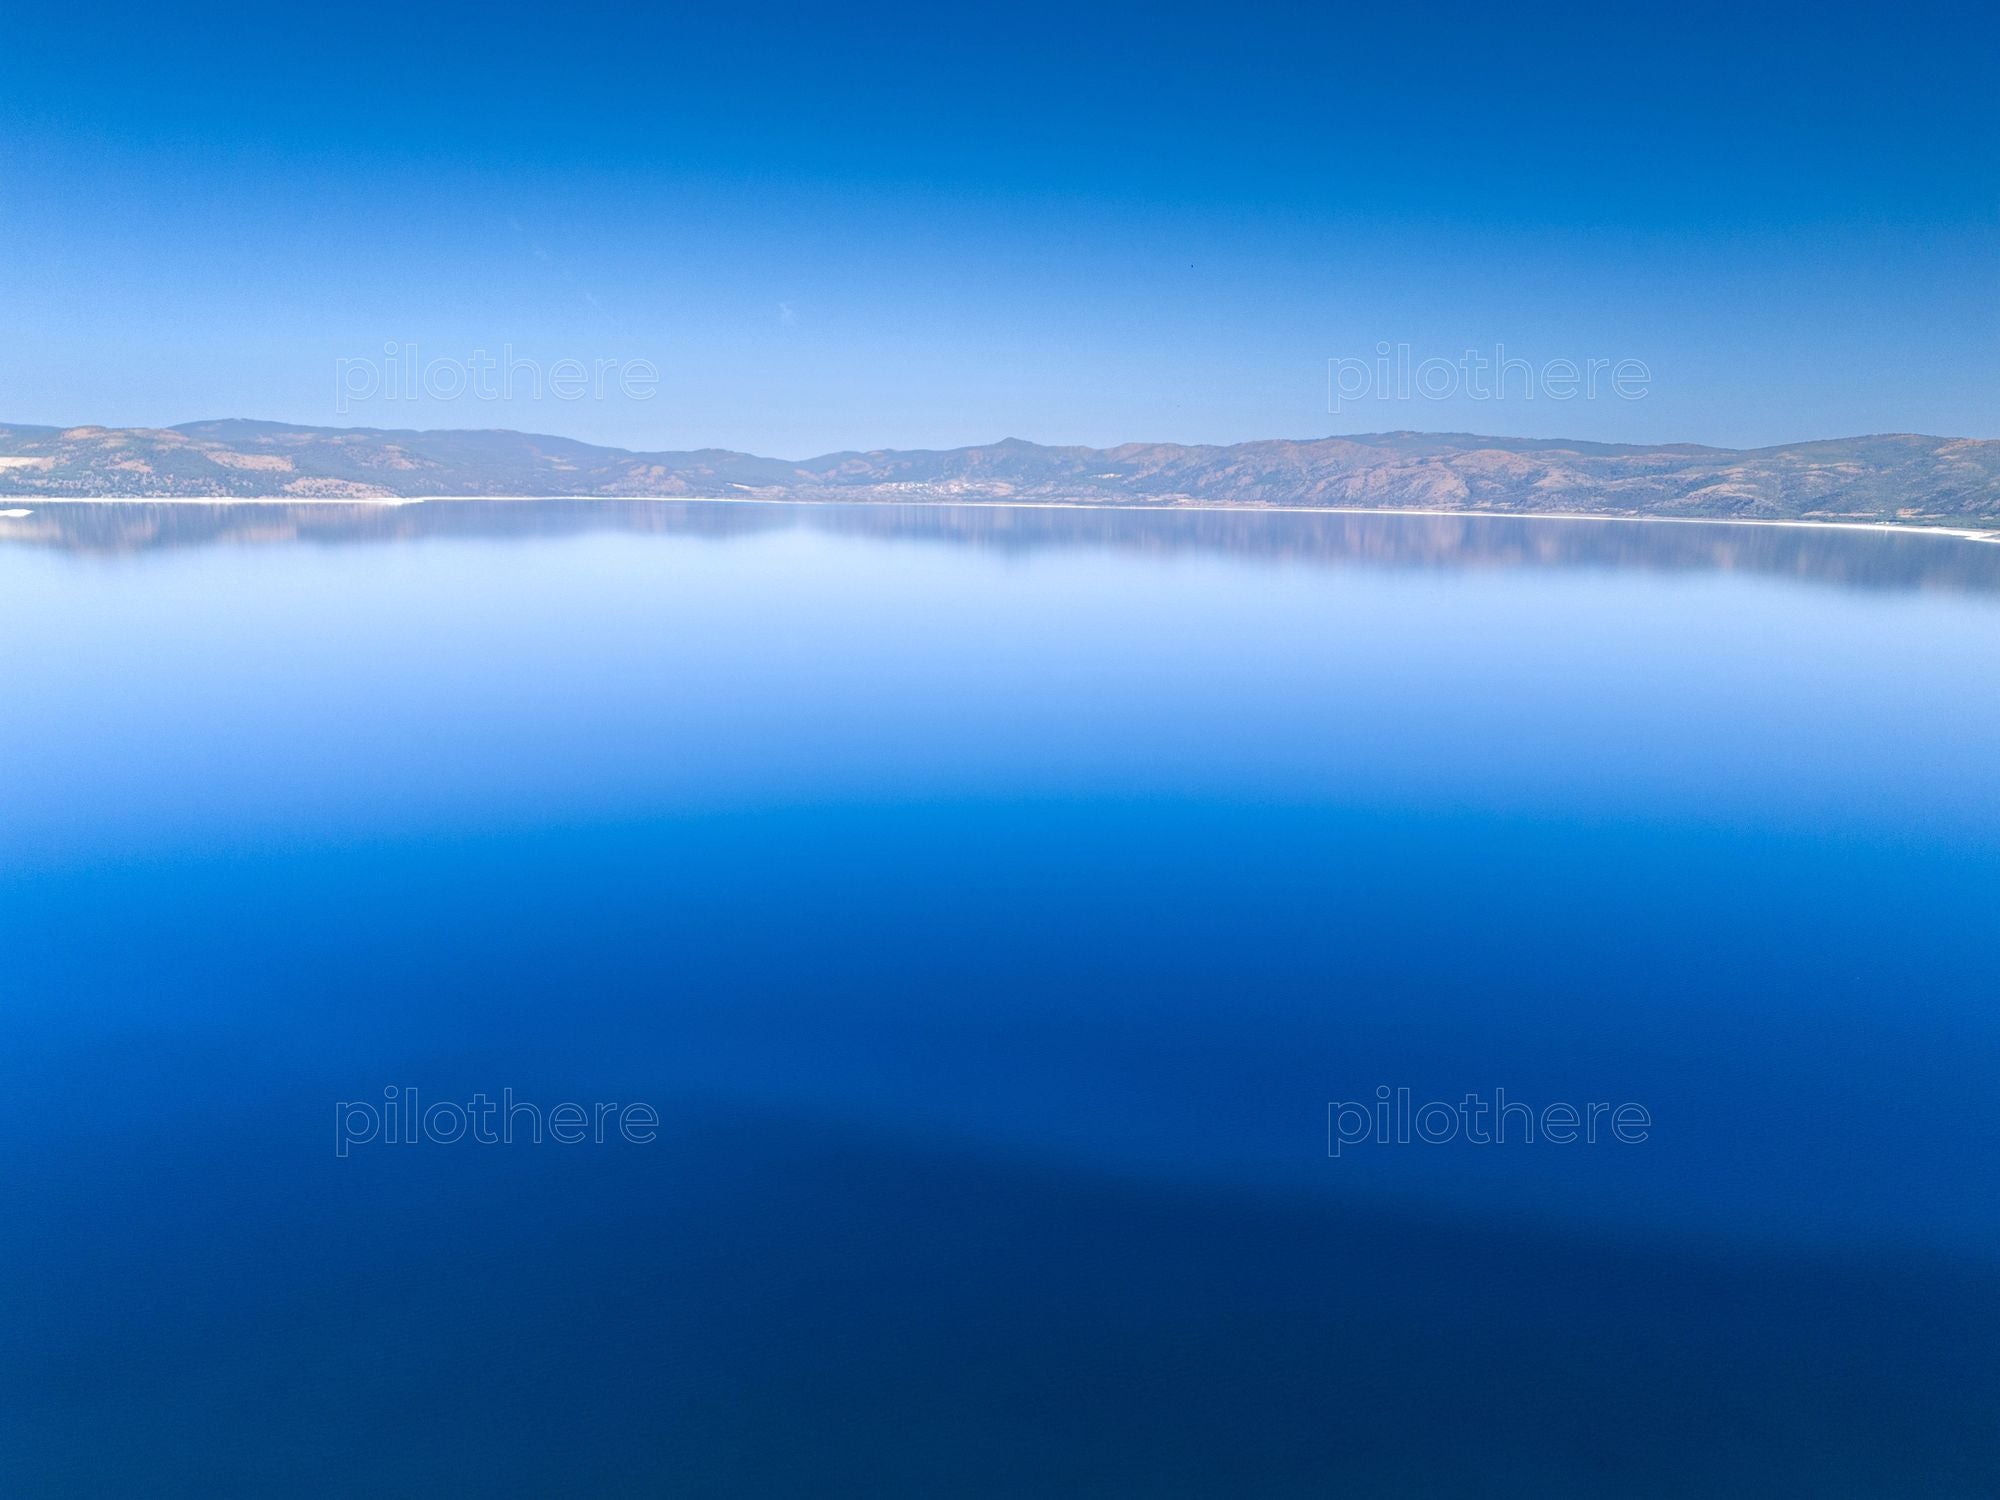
<point>1885,478</point>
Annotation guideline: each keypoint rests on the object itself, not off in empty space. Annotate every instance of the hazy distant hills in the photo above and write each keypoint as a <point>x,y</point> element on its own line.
<point>1896,477</point>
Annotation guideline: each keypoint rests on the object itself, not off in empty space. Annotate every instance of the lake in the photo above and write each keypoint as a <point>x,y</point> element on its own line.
<point>1003,962</point>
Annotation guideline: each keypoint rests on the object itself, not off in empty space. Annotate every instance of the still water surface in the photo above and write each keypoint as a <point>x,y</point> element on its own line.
<point>990,904</point>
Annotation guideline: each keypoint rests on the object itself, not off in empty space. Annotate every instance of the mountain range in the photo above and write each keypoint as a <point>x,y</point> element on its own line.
<point>1897,477</point>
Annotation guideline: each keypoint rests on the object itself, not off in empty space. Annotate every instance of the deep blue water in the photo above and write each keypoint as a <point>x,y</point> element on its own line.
<point>990,904</point>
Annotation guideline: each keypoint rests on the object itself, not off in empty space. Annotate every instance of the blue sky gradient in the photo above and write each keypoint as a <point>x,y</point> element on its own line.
<point>833,227</point>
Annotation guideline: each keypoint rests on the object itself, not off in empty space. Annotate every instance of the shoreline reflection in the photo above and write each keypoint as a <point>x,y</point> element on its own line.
<point>1862,559</point>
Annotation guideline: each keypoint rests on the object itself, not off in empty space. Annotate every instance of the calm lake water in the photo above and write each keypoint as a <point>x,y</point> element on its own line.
<point>990,904</point>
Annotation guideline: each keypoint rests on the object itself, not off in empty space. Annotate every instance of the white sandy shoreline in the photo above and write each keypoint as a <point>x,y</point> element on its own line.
<point>389,502</point>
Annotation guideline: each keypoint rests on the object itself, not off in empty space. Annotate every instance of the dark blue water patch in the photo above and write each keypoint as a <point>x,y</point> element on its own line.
<point>752,1307</point>
<point>1175,990</point>
<point>993,1163</point>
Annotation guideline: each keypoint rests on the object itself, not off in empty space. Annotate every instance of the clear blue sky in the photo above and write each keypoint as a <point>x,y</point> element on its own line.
<point>866,225</point>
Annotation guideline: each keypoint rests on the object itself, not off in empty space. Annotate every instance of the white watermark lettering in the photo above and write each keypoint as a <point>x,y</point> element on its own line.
<point>401,372</point>
<point>1394,1117</point>
<point>401,1117</point>
<point>1394,373</point>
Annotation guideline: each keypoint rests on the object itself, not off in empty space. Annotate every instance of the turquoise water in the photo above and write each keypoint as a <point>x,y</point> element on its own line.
<point>989,905</point>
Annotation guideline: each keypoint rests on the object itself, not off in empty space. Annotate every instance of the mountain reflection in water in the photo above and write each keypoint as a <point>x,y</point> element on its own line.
<point>1859,557</point>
